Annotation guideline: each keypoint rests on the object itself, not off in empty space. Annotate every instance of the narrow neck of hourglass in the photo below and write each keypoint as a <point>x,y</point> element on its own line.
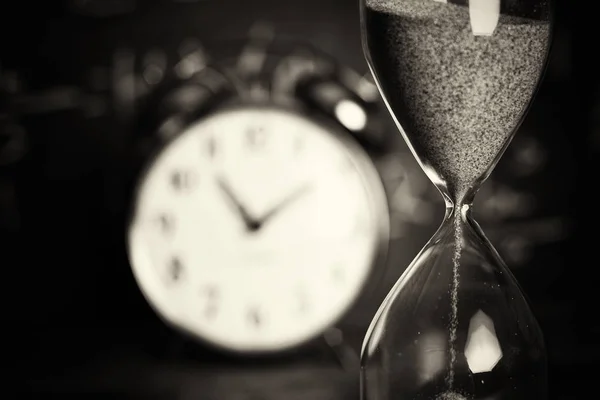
<point>460,204</point>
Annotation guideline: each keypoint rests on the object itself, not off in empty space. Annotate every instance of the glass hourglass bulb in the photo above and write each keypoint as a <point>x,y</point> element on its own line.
<point>457,77</point>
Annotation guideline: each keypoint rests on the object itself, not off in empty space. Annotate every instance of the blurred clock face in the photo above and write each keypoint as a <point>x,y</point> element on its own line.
<point>256,229</point>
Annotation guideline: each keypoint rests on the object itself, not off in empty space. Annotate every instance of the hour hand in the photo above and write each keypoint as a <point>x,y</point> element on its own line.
<point>251,224</point>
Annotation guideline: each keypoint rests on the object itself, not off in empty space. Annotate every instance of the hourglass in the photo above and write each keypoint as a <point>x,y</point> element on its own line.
<point>458,77</point>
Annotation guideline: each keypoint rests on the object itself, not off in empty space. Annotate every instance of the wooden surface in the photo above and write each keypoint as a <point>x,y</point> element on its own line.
<point>121,364</point>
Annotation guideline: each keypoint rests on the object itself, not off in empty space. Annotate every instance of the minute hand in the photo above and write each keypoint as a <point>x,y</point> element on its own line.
<point>286,202</point>
<point>251,224</point>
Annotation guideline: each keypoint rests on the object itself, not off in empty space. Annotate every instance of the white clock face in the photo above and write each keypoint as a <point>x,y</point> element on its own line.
<point>256,228</point>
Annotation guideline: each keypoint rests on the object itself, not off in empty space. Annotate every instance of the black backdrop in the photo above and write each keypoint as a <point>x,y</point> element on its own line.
<point>59,187</point>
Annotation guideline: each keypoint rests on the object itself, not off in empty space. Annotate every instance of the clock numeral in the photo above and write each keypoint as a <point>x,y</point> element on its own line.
<point>166,223</point>
<point>347,165</point>
<point>211,147</point>
<point>210,292</point>
<point>182,180</point>
<point>211,297</point>
<point>298,144</point>
<point>175,268</point>
<point>361,223</point>
<point>210,311</point>
<point>337,273</point>
<point>302,302</point>
<point>254,317</point>
<point>256,138</point>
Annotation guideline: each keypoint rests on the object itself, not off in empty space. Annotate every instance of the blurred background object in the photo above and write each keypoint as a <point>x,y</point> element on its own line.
<point>97,88</point>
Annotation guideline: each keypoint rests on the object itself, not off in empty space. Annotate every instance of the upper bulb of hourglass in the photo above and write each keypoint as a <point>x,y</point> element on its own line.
<point>458,76</point>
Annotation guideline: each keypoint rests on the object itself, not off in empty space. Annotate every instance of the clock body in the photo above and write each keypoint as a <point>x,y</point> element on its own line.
<point>256,227</point>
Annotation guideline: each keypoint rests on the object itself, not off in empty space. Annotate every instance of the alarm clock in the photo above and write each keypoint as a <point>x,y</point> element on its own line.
<point>256,222</point>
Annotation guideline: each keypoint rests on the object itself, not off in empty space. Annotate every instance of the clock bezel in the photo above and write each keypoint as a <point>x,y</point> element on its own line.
<point>371,180</point>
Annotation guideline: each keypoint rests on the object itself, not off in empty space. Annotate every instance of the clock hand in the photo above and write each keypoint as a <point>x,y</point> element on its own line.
<point>286,202</point>
<point>251,224</point>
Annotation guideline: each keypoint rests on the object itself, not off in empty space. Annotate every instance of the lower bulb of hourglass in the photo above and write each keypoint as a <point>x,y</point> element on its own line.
<point>455,326</point>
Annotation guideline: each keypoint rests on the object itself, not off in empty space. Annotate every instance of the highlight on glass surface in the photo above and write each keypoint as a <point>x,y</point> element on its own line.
<point>458,78</point>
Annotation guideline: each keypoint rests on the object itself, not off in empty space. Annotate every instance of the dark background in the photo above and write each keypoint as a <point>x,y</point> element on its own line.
<point>76,320</point>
